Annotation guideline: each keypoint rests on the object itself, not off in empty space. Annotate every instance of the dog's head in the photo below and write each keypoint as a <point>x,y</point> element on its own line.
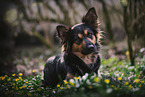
<point>82,37</point>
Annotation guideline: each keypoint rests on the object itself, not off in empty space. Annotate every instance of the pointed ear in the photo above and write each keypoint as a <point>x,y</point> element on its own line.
<point>91,18</point>
<point>63,32</point>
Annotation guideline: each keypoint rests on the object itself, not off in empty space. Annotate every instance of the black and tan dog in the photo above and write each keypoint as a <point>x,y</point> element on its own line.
<point>80,56</point>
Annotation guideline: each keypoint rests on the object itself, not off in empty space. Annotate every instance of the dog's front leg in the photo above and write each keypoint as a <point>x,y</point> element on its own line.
<point>97,64</point>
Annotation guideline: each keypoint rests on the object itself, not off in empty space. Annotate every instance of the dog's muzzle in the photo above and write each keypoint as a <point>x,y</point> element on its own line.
<point>89,49</point>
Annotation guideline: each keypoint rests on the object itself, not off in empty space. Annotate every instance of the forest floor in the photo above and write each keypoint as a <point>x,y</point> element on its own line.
<point>118,78</point>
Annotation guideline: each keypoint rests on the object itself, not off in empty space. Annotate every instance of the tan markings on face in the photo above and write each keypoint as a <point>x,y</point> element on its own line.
<point>78,48</point>
<point>97,35</point>
<point>86,32</point>
<point>92,40</point>
<point>80,36</point>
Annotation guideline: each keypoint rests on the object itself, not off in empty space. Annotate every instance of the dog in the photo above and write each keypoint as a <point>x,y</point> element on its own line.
<point>80,51</point>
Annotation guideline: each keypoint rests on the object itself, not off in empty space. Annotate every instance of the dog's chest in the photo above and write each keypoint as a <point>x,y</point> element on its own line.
<point>89,59</point>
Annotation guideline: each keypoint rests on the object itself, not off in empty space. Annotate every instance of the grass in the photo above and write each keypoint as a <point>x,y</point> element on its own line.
<point>117,79</point>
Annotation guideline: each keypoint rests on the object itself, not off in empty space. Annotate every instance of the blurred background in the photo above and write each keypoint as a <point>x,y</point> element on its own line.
<point>28,30</point>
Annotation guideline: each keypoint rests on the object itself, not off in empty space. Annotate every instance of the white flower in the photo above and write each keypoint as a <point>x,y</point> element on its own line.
<point>76,81</point>
<point>72,80</point>
<point>142,50</point>
<point>82,88</point>
<point>135,89</point>
<point>109,90</point>
<point>77,85</point>
<point>80,78</point>
<point>88,82</point>
<point>131,67</point>
<point>85,76</point>
<point>34,79</point>
<point>93,76</point>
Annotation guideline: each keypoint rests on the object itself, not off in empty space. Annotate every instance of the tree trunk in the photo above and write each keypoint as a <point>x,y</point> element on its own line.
<point>107,21</point>
<point>129,38</point>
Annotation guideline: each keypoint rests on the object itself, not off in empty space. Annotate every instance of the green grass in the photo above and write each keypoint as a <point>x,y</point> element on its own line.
<point>118,78</point>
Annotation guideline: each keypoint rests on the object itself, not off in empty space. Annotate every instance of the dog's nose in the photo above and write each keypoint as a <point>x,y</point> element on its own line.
<point>91,47</point>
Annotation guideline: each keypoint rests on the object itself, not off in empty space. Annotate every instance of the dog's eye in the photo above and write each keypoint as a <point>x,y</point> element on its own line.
<point>78,40</point>
<point>89,35</point>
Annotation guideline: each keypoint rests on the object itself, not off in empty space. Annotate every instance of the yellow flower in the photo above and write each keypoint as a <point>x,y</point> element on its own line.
<point>38,89</point>
<point>61,88</point>
<point>119,78</point>
<point>16,88</point>
<point>20,74</point>
<point>107,81</point>
<point>14,84</point>
<point>24,86</point>
<point>126,83</point>
<point>9,79</point>
<point>3,78</point>
<point>139,85</point>
<point>142,81</point>
<point>29,94</point>
<point>96,79</point>
<point>90,87</point>
<point>72,84</point>
<point>68,87</point>
<point>13,74</point>
<point>115,88</point>
<point>21,78</point>
<point>65,82</point>
<point>127,53</point>
<point>33,71</point>
<point>6,76</point>
<point>16,79</point>
<point>77,77</point>
<point>29,86</point>
<point>26,82</point>
<point>58,85</point>
<point>20,87</point>
<point>136,80</point>
<point>130,87</point>
<point>112,86</point>
<point>13,87</point>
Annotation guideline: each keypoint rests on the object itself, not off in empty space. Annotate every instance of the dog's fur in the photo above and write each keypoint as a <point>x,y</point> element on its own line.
<point>80,56</point>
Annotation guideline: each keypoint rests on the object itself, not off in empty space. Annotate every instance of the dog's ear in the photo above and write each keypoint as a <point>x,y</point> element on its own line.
<point>63,32</point>
<point>91,18</point>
